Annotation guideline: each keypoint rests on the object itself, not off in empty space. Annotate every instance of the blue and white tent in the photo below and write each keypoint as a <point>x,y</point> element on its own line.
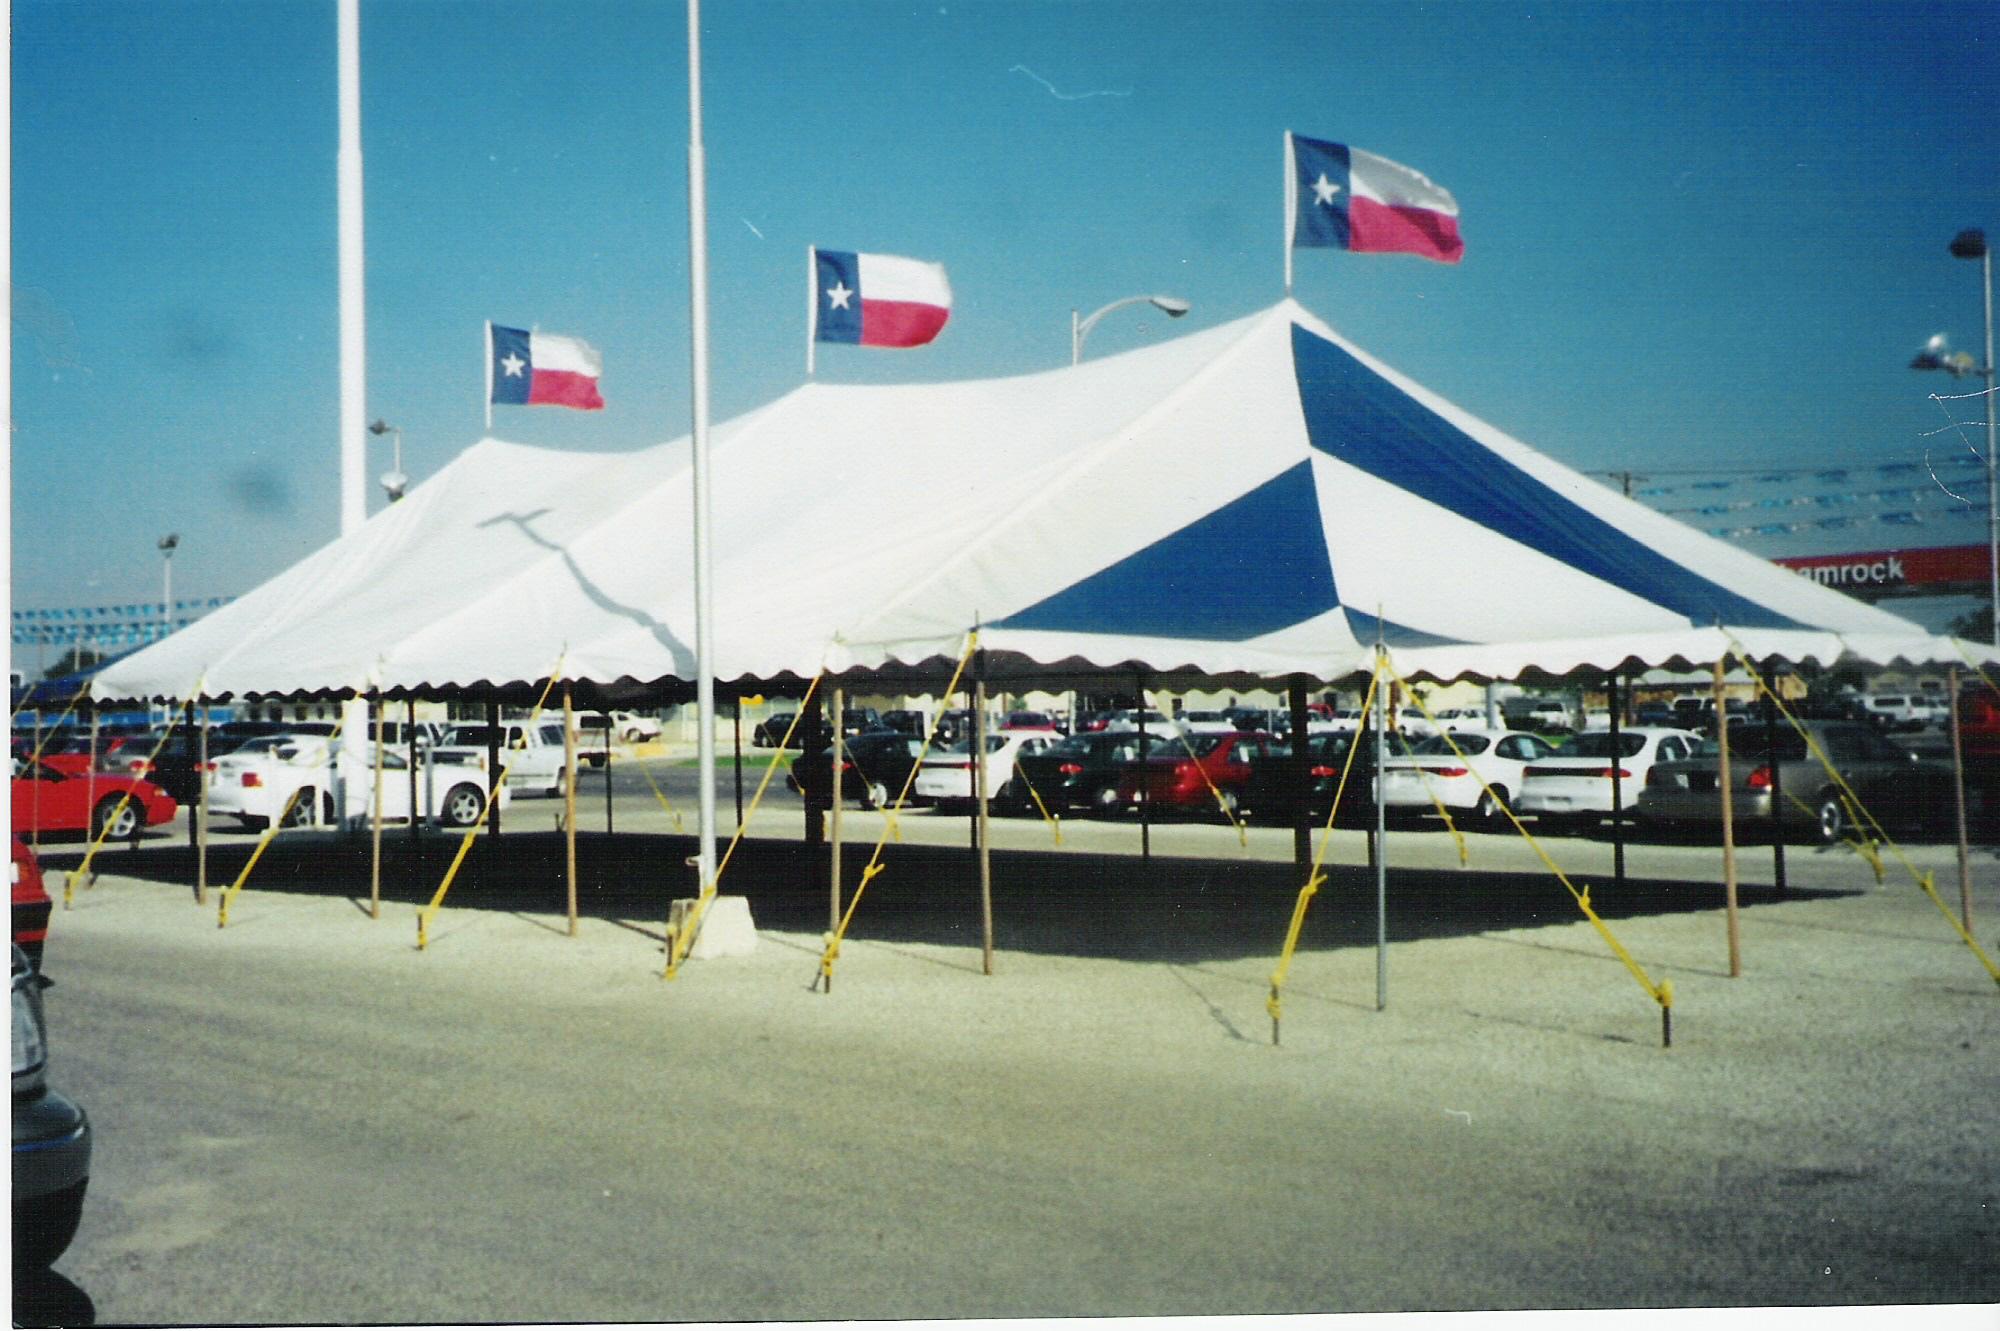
<point>1242,504</point>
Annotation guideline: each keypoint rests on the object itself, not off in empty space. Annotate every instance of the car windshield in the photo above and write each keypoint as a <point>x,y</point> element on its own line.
<point>964,747</point>
<point>1748,742</point>
<point>1203,745</point>
<point>1597,744</point>
<point>1468,744</point>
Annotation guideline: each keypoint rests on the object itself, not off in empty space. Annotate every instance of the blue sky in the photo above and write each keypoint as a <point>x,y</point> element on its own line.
<point>1700,238</point>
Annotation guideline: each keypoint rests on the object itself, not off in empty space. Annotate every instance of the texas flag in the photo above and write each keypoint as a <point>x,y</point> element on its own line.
<point>528,369</point>
<point>878,300</point>
<point>1353,200</point>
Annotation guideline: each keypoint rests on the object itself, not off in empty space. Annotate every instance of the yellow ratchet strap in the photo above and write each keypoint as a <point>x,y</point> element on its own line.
<point>1054,822</point>
<point>81,873</point>
<point>666,803</point>
<point>1242,835</point>
<point>1663,992</point>
<point>678,942</point>
<point>1275,1003</point>
<point>1866,822</point>
<point>875,866</point>
<point>494,787</point>
<point>271,833</point>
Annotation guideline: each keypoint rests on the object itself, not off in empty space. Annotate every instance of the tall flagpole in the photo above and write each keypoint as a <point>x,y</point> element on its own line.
<point>1291,208</point>
<point>353,306</point>
<point>812,307</point>
<point>489,376</point>
<point>353,339</point>
<point>704,593</point>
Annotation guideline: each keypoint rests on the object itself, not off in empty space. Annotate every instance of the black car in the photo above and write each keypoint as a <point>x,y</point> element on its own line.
<point>1272,794</point>
<point>876,768</point>
<point>174,768</point>
<point>51,1136</point>
<point>909,722</point>
<point>770,732</point>
<point>1081,772</point>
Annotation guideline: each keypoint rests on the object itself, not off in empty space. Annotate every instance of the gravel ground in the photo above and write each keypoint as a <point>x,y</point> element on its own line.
<point>1102,1126</point>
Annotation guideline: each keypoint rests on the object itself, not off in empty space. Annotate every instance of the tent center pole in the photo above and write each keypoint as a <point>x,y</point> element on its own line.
<point>838,752</point>
<point>980,796</point>
<point>1614,708</point>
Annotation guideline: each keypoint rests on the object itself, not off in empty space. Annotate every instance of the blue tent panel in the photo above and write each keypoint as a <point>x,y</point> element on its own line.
<point>1253,566</point>
<point>1362,419</point>
<point>1363,625</point>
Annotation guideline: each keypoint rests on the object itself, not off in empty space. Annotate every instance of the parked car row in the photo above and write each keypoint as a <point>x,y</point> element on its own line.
<point>1658,776</point>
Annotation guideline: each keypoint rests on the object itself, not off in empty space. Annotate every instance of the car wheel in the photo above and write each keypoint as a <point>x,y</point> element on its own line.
<point>599,759</point>
<point>110,822</point>
<point>300,812</point>
<point>1487,810</point>
<point>1829,817</point>
<point>44,1226</point>
<point>1105,800</point>
<point>876,796</point>
<point>462,805</point>
<point>1231,805</point>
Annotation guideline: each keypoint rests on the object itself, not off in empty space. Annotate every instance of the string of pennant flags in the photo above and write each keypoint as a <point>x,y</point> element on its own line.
<point>109,625</point>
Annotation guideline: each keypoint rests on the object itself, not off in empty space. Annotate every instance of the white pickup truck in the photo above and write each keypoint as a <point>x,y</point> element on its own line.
<point>532,755</point>
<point>303,780</point>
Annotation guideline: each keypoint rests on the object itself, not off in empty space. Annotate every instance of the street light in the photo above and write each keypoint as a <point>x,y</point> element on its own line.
<point>1173,306</point>
<point>1971,244</point>
<point>168,544</point>
<point>393,480</point>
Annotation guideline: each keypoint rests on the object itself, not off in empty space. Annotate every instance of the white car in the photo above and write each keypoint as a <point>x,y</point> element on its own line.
<point>634,728</point>
<point>1456,719</point>
<point>1573,785</point>
<point>308,780</point>
<point>946,777</point>
<point>1126,721</point>
<point>1431,771</point>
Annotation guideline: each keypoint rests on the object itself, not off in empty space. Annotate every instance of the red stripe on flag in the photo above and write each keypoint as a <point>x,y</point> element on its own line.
<point>900,323</point>
<point>564,388</point>
<point>1377,228</point>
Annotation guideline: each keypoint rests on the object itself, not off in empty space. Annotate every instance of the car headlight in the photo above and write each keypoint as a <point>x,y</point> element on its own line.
<point>31,1045</point>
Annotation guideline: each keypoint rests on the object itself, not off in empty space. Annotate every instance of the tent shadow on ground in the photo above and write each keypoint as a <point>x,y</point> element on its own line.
<point>1176,910</point>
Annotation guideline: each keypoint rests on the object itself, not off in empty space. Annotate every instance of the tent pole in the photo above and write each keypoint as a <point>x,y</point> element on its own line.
<point>1728,822</point>
<point>569,796</point>
<point>1145,750</point>
<point>980,793</point>
<point>200,811</point>
<point>1958,788</point>
<point>838,751</point>
<point>493,762</point>
<point>1614,708</point>
<point>1301,780</point>
<point>375,833</point>
<point>410,742</point>
<point>1381,840</point>
<point>1777,789</point>
<point>187,739</point>
<point>738,719</point>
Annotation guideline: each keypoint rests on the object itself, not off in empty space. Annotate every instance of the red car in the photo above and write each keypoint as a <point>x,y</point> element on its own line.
<point>1173,780</point>
<point>31,902</point>
<point>70,754</point>
<point>47,800</point>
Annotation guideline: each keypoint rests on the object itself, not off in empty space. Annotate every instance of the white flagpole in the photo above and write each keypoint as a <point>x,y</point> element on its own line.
<point>812,304</point>
<point>353,335</point>
<point>489,376</point>
<point>1291,208</point>
<point>704,593</point>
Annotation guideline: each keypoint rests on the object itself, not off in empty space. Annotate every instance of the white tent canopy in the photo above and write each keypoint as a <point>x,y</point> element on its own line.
<point>1245,503</point>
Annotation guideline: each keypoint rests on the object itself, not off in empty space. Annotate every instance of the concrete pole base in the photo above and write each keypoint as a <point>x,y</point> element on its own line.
<point>726,927</point>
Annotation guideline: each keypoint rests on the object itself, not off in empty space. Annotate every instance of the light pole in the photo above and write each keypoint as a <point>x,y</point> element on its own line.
<point>168,544</point>
<point>1971,244</point>
<point>1173,306</point>
<point>393,480</point>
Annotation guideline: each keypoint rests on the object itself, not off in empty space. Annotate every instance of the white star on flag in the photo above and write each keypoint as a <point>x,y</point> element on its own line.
<point>513,365</point>
<point>837,296</point>
<point>1324,189</point>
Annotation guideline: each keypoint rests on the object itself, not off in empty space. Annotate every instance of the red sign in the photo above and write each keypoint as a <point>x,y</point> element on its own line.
<point>1896,572</point>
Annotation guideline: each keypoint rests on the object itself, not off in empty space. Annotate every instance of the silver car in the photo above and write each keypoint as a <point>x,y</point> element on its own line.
<point>1897,787</point>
